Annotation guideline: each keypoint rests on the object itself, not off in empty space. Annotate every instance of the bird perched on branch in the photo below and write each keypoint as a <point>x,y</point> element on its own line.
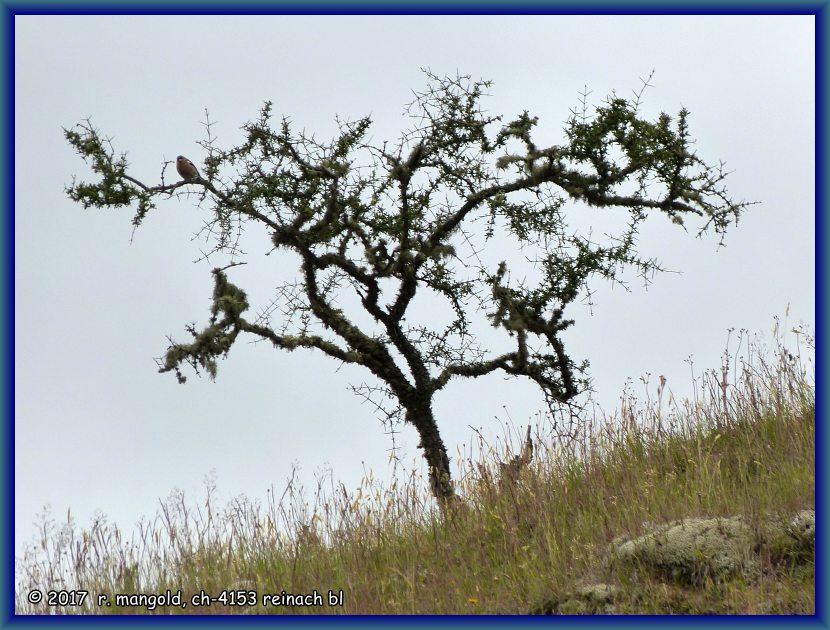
<point>186,168</point>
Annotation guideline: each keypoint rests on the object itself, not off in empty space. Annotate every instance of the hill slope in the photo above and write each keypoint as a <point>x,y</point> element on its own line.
<point>573,531</point>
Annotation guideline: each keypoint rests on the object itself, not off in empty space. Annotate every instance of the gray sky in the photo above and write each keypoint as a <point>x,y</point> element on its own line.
<point>98,429</point>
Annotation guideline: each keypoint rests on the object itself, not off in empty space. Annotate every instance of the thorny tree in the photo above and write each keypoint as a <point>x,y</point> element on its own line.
<point>385,223</point>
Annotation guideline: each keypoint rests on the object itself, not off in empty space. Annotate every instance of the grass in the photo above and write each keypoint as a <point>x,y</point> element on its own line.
<point>744,445</point>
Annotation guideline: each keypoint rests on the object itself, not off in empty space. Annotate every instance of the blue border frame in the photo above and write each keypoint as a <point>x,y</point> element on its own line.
<point>7,343</point>
<point>9,9</point>
<point>413,7</point>
<point>821,174</point>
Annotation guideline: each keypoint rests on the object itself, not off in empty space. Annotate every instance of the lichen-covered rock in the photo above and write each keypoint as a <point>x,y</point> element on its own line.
<point>803,528</point>
<point>789,538</point>
<point>692,550</point>
<point>598,597</point>
<point>591,599</point>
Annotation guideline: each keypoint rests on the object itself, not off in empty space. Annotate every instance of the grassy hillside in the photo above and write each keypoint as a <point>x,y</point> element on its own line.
<point>539,541</point>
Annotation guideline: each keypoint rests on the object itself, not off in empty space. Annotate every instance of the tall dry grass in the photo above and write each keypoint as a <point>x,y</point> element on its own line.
<point>744,444</point>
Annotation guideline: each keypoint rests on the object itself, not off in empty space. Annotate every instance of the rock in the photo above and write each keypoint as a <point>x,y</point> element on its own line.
<point>793,538</point>
<point>591,599</point>
<point>803,528</point>
<point>598,597</point>
<point>692,551</point>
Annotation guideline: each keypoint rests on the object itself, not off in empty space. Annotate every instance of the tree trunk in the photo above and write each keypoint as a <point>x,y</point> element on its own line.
<point>440,479</point>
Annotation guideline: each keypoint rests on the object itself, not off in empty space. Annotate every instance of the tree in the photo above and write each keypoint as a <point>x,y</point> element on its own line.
<point>382,224</point>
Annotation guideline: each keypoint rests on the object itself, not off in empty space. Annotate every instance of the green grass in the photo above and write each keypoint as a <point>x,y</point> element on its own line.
<point>745,445</point>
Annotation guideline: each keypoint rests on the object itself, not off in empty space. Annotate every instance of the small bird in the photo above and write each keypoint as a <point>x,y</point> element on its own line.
<point>186,168</point>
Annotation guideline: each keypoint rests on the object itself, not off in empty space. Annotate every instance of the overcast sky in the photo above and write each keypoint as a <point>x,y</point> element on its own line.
<point>97,429</point>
